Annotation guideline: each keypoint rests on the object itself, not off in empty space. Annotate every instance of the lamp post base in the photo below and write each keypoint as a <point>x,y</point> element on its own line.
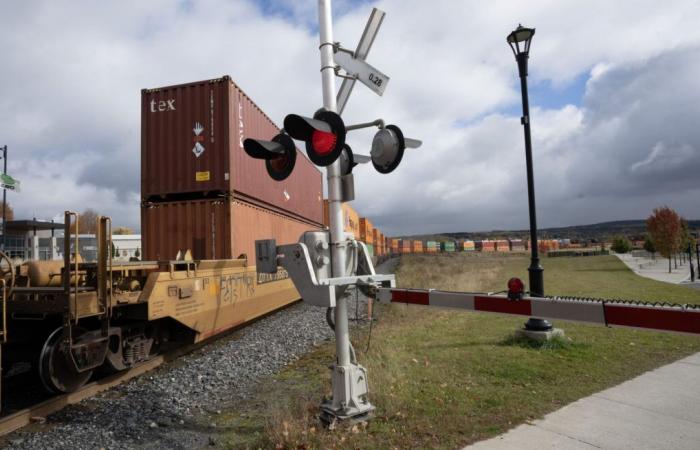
<point>540,336</point>
<point>535,324</point>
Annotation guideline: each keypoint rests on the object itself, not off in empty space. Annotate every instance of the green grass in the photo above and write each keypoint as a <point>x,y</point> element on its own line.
<point>444,379</point>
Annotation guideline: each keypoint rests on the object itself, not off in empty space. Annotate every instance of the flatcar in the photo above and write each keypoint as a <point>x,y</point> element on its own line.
<point>70,319</point>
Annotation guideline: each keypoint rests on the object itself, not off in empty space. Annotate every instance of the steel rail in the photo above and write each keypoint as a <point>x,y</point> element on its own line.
<point>23,417</point>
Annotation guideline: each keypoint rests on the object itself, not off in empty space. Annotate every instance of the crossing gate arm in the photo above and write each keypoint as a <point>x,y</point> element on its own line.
<point>618,313</point>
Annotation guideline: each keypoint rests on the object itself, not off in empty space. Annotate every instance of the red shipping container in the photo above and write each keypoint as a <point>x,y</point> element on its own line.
<point>192,147</point>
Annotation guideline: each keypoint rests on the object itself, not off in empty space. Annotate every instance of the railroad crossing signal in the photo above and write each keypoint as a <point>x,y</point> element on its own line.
<point>388,146</point>
<point>280,155</point>
<point>324,135</point>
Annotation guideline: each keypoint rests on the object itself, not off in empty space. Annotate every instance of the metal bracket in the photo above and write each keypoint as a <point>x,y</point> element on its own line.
<point>308,265</point>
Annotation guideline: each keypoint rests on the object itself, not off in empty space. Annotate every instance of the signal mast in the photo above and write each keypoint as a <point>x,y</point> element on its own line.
<point>323,264</point>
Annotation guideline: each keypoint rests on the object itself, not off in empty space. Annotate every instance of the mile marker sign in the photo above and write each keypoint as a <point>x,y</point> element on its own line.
<point>364,72</point>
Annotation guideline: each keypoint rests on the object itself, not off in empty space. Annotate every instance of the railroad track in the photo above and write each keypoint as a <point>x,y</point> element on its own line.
<point>25,416</point>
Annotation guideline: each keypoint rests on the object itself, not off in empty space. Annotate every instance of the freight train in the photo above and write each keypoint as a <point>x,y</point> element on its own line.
<point>69,319</point>
<point>204,203</point>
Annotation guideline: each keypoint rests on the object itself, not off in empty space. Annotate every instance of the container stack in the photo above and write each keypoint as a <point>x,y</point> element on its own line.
<point>517,245</point>
<point>486,246</point>
<point>417,246</point>
<point>448,246</point>
<point>351,220</point>
<point>432,247</point>
<point>395,246</point>
<point>200,191</point>
<point>502,245</point>
<point>406,246</point>
<point>468,246</point>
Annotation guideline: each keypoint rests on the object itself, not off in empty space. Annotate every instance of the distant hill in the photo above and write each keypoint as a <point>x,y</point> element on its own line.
<point>596,232</point>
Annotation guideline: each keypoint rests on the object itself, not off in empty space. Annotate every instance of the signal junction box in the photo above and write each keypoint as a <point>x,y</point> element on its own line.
<point>308,263</point>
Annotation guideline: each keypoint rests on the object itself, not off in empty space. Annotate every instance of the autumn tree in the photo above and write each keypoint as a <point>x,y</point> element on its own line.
<point>123,230</point>
<point>664,227</point>
<point>9,212</point>
<point>87,223</point>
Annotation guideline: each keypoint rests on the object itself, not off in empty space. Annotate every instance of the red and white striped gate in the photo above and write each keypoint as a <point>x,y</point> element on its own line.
<point>619,313</point>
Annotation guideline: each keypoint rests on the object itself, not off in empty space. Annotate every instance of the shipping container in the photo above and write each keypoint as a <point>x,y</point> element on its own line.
<point>417,246</point>
<point>395,246</point>
<point>546,245</point>
<point>366,231</point>
<point>467,246</point>
<point>213,229</point>
<point>448,246</point>
<point>432,247</point>
<point>486,245</point>
<point>517,245</point>
<point>192,148</point>
<point>351,220</point>
<point>405,246</point>
<point>502,245</point>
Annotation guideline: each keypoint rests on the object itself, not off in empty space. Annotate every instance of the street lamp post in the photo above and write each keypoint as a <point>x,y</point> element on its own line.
<point>519,41</point>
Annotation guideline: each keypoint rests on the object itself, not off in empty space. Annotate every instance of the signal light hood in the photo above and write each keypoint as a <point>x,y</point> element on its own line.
<point>314,132</point>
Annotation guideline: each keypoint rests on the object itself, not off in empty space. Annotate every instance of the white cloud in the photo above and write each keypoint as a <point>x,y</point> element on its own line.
<point>72,74</point>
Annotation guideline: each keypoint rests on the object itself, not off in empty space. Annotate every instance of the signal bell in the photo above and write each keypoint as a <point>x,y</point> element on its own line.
<point>280,155</point>
<point>324,135</point>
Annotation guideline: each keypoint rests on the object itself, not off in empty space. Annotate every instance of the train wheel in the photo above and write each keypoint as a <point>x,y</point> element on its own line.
<point>56,370</point>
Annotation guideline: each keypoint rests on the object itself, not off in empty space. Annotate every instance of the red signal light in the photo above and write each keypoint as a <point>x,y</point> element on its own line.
<point>323,142</point>
<point>516,288</point>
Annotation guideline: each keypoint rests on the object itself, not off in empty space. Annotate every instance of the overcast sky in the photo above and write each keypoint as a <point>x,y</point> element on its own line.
<point>615,101</point>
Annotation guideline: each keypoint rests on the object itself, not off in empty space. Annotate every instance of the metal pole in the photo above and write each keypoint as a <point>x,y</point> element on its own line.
<point>4,197</point>
<point>535,270</point>
<point>335,212</point>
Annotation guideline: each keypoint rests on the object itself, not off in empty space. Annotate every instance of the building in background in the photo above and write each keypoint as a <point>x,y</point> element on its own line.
<point>32,239</point>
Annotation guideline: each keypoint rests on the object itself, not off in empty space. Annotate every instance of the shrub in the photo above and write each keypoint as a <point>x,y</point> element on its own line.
<point>621,244</point>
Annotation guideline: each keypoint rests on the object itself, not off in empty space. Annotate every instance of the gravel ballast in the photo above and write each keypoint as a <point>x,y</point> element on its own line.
<point>165,408</point>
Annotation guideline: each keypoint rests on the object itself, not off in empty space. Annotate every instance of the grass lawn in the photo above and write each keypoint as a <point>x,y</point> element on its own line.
<point>444,379</point>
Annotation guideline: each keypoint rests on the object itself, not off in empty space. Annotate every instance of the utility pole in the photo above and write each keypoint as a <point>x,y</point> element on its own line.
<point>4,197</point>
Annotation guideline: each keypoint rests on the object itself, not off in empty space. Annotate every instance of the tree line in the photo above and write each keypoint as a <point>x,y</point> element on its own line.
<point>667,233</point>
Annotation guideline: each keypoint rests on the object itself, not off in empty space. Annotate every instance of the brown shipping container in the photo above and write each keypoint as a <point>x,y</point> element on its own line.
<point>366,231</point>
<point>192,146</point>
<point>213,229</point>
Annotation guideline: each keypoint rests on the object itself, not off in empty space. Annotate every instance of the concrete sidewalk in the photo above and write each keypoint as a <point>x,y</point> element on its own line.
<point>656,269</point>
<point>657,410</point>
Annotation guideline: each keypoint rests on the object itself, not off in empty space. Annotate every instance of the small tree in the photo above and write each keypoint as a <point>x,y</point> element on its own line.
<point>664,227</point>
<point>87,223</point>
<point>620,244</point>
<point>649,245</point>
<point>684,238</point>
<point>137,253</point>
<point>9,212</point>
<point>123,230</point>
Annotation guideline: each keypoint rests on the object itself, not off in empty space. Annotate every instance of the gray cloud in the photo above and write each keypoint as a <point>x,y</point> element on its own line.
<point>72,74</point>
